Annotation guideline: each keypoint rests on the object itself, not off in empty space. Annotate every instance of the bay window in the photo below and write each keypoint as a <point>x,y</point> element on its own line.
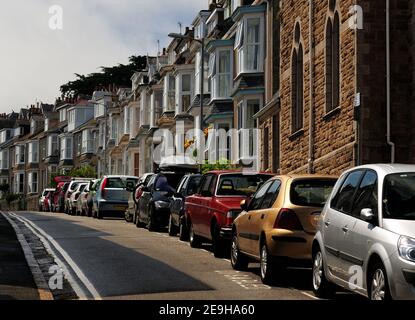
<point>33,153</point>
<point>4,160</point>
<point>114,128</point>
<point>127,117</point>
<point>220,72</point>
<point>32,182</point>
<point>19,183</point>
<point>20,154</point>
<point>249,44</point>
<point>66,148</point>
<point>155,108</point>
<point>62,115</point>
<point>183,92</point>
<point>46,124</point>
<point>87,141</point>
<point>247,124</point>
<point>52,147</point>
<point>169,93</point>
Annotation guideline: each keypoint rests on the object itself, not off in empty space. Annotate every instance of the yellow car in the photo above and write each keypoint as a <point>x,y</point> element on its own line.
<point>278,223</point>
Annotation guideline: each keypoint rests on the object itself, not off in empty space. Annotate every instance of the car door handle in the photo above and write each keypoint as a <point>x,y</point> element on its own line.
<point>327,223</point>
<point>345,229</point>
<point>262,217</point>
<point>249,217</point>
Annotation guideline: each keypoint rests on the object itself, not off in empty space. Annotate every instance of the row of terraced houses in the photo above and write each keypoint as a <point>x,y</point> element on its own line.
<point>329,83</point>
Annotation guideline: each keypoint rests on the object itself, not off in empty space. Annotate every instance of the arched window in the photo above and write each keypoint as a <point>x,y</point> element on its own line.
<point>333,59</point>
<point>297,82</point>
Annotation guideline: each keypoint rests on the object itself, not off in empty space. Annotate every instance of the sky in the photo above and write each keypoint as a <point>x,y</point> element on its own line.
<point>35,59</point>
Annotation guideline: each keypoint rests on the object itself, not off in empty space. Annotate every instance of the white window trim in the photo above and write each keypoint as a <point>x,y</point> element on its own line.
<point>33,154</point>
<point>215,74</point>
<point>241,45</point>
<point>179,90</point>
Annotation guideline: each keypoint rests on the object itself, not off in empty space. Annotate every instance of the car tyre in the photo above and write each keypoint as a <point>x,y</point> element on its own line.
<point>378,283</point>
<point>239,261</point>
<point>218,243</point>
<point>270,267</point>
<point>322,288</point>
<point>183,232</point>
<point>151,225</point>
<point>195,241</point>
<point>172,228</point>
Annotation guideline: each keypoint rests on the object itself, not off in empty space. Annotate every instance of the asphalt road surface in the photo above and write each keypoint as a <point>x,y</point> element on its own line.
<point>112,259</point>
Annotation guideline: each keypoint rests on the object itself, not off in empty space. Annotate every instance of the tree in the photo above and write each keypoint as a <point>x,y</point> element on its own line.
<point>119,75</point>
<point>83,172</point>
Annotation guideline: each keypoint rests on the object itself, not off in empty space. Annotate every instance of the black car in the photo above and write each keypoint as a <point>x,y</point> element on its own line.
<point>187,187</point>
<point>154,203</point>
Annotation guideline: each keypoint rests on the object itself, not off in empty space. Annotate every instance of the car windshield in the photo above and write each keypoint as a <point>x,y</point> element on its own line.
<point>399,196</point>
<point>311,193</point>
<point>240,184</point>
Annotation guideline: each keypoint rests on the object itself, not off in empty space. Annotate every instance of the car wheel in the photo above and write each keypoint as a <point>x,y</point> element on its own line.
<point>238,260</point>
<point>183,232</point>
<point>151,225</point>
<point>322,288</point>
<point>218,243</point>
<point>269,266</point>
<point>172,228</point>
<point>379,285</point>
<point>195,241</point>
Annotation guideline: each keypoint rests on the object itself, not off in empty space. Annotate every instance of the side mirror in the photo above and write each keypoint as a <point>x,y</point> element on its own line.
<point>367,215</point>
<point>244,205</point>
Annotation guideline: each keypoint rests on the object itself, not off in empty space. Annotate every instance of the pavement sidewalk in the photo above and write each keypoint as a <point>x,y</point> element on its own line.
<point>16,279</point>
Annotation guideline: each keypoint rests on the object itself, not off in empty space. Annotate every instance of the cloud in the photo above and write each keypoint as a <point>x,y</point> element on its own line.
<point>35,60</point>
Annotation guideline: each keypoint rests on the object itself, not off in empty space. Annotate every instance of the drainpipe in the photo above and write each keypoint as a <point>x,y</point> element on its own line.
<point>388,84</point>
<point>312,116</point>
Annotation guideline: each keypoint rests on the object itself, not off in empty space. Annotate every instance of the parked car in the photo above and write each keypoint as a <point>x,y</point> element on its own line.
<point>111,198</point>
<point>154,203</point>
<point>81,204</point>
<point>87,204</point>
<point>134,196</point>
<point>278,224</point>
<point>44,204</point>
<point>187,187</point>
<point>58,199</point>
<point>211,211</point>
<point>365,240</point>
<point>73,185</point>
<point>74,199</point>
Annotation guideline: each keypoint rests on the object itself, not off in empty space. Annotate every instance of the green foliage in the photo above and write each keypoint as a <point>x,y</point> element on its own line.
<point>5,188</point>
<point>119,75</point>
<point>10,197</point>
<point>83,172</point>
<point>223,164</point>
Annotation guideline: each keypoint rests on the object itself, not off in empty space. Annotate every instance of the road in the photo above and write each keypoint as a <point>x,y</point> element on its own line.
<point>111,259</point>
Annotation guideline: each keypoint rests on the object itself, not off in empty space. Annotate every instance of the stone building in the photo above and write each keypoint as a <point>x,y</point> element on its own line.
<point>334,84</point>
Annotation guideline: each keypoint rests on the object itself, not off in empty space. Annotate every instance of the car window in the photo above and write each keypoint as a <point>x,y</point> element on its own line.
<point>81,187</point>
<point>114,183</point>
<point>271,195</point>
<point>183,184</point>
<point>151,182</point>
<point>311,192</point>
<point>206,183</point>
<point>193,185</point>
<point>240,184</point>
<point>147,180</point>
<point>162,184</point>
<point>74,186</point>
<point>399,196</point>
<point>366,196</point>
<point>256,201</point>
<point>343,200</point>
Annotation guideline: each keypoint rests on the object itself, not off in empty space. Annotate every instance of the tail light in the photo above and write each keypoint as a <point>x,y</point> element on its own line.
<point>103,186</point>
<point>287,219</point>
<point>231,216</point>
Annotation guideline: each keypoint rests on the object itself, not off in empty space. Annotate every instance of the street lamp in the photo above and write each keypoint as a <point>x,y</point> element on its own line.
<point>202,69</point>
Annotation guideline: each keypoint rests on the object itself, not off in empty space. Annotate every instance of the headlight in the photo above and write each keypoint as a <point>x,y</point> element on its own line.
<point>162,204</point>
<point>406,248</point>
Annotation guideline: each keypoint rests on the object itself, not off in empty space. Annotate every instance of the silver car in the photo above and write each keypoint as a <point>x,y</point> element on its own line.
<point>111,198</point>
<point>366,235</point>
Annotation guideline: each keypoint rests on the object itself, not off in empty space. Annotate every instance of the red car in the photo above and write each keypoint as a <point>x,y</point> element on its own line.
<point>58,198</point>
<point>211,211</point>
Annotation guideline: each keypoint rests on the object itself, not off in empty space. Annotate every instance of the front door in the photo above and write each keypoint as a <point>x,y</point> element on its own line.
<point>336,223</point>
<point>360,232</point>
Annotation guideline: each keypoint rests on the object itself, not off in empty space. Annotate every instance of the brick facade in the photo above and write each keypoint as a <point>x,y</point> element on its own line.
<point>341,140</point>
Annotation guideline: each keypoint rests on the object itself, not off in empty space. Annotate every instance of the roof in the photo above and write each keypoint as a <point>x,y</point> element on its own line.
<point>387,169</point>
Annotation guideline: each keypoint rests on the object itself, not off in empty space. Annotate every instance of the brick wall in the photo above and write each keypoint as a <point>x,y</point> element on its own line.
<point>334,135</point>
